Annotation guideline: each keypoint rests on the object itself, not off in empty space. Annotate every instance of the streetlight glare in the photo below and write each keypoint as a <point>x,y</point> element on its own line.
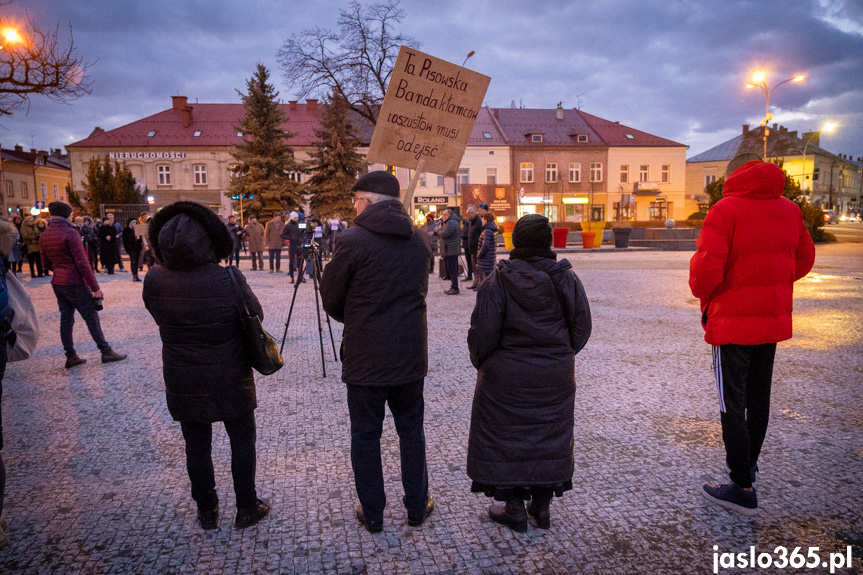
<point>829,126</point>
<point>758,77</point>
<point>11,36</point>
<point>798,78</point>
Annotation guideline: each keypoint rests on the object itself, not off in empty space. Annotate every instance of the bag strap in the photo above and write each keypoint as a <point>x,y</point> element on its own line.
<point>240,300</point>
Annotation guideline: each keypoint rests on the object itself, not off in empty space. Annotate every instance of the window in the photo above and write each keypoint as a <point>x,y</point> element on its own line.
<point>390,169</point>
<point>582,138</point>
<point>197,133</point>
<point>463,176</point>
<point>624,174</point>
<point>422,180</point>
<point>597,213</point>
<point>491,176</point>
<point>551,173</point>
<point>596,172</point>
<point>23,189</point>
<point>200,175</point>
<point>709,179</point>
<point>10,190</point>
<point>666,174</point>
<point>295,176</point>
<point>815,174</point>
<point>56,191</point>
<point>440,181</point>
<point>536,138</point>
<point>526,172</point>
<point>44,189</point>
<point>574,173</point>
<point>486,135</point>
<point>151,133</point>
<point>239,134</point>
<point>644,173</point>
<point>164,175</point>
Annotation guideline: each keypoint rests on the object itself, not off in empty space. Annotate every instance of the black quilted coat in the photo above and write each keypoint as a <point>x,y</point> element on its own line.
<point>531,318</point>
<point>207,375</point>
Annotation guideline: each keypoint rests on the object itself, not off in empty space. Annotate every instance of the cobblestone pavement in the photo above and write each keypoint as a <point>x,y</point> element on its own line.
<point>97,481</point>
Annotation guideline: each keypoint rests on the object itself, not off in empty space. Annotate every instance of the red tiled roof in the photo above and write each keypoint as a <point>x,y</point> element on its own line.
<point>30,158</point>
<point>217,124</point>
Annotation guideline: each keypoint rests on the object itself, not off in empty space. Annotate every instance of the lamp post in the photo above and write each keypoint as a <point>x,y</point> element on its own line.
<point>759,80</point>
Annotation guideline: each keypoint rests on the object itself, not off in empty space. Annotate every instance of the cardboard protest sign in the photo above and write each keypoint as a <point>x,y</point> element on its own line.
<point>429,110</point>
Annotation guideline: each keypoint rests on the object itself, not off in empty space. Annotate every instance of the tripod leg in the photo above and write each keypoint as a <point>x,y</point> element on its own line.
<point>291,310</point>
<point>318,309</point>
<point>329,325</point>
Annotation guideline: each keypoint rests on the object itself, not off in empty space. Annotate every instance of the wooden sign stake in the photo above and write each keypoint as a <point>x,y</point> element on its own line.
<point>409,194</point>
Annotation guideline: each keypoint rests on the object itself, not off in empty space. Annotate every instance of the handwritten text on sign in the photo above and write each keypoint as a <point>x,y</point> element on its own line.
<point>428,113</point>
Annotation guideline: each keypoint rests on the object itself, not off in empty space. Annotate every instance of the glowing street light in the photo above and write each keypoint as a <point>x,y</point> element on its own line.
<point>10,36</point>
<point>759,80</point>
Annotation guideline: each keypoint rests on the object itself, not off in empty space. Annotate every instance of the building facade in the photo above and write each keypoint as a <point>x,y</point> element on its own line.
<point>29,181</point>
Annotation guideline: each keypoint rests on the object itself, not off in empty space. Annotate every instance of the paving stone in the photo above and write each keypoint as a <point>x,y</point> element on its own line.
<point>96,468</point>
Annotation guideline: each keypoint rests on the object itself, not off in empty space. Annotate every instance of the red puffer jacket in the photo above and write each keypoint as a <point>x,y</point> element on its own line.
<point>753,247</point>
<point>63,248</point>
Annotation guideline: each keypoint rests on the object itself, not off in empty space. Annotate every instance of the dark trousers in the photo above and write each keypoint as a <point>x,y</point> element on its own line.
<point>258,260</point>
<point>366,408</point>
<point>743,379</point>
<point>235,256</point>
<point>277,256</point>
<point>35,258</point>
<point>93,255</point>
<point>135,262</point>
<point>118,255</point>
<point>293,258</point>
<point>80,298</point>
<point>452,269</point>
<point>199,461</point>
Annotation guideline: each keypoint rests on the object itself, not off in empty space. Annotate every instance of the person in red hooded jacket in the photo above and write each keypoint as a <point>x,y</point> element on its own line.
<point>753,247</point>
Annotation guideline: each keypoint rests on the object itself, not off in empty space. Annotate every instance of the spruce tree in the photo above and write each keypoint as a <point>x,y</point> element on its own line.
<point>335,162</point>
<point>107,183</point>
<point>264,159</point>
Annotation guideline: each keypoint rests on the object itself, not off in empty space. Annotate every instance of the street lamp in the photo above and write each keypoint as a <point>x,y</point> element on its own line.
<point>759,80</point>
<point>10,36</point>
<point>469,54</point>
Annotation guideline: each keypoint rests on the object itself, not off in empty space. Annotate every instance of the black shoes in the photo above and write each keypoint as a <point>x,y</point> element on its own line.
<point>538,508</point>
<point>209,519</point>
<point>417,521</point>
<point>251,515</point>
<point>371,525</point>
<point>451,291</point>
<point>136,279</point>
<point>74,361</point>
<point>109,356</point>
<point>512,515</point>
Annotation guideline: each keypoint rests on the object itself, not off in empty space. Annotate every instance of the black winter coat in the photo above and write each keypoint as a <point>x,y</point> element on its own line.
<point>474,230</point>
<point>531,318</point>
<point>107,247</point>
<point>207,374</point>
<point>376,284</point>
<point>451,236</point>
<point>131,243</point>
<point>486,254</point>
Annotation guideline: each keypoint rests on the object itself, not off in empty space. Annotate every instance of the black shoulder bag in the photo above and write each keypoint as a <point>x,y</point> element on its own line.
<point>260,346</point>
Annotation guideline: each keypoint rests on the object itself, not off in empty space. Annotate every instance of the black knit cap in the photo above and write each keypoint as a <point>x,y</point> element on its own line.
<point>378,182</point>
<point>532,231</point>
<point>61,209</point>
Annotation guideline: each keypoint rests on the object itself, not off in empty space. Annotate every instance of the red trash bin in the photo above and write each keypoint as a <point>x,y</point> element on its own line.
<point>559,237</point>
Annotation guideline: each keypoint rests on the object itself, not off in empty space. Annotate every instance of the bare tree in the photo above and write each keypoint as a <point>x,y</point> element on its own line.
<point>37,62</point>
<point>354,63</point>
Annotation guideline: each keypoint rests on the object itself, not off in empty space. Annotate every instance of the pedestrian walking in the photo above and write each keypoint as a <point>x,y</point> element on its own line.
<point>74,284</point>
<point>475,224</point>
<point>376,284</point>
<point>118,255</point>
<point>30,236</point>
<point>208,377</point>
<point>133,246</point>
<point>530,320</point>
<point>255,232</point>
<point>753,247</point>
<point>273,233</point>
<point>451,247</point>
<point>292,234</point>
<point>236,233</point>
<point>91,242</point>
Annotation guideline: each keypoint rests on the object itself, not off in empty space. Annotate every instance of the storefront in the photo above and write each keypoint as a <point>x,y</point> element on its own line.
<point>424,205</point>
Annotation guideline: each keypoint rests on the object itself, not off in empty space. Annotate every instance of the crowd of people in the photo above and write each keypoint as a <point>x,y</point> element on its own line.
<point>531,317</point>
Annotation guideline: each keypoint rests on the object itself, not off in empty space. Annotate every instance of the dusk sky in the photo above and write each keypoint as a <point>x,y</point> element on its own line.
<point>673,68</point>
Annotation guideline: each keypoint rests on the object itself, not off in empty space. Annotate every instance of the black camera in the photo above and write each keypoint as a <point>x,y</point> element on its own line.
<point>97,304</point>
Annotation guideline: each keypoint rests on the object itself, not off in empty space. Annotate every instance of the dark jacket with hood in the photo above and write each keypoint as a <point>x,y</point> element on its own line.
<point>531,318</point>
<point>293,234</point>
<point>486,254</point>
<point>376,284</point>
<point>207,373</point>
<point>131,243</point>
<point>107,243</point>
<point>475,227</point>
<point>451,236</point>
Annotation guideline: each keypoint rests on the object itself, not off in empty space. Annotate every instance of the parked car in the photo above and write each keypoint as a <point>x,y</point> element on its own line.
<point>830,217</point>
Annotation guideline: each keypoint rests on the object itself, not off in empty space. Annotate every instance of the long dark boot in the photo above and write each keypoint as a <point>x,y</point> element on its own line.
<point>512,515</point>
<point>539,510</point>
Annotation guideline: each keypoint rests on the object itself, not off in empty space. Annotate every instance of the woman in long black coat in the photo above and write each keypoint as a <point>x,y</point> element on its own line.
<point>133,245</point>
<point>107,235</point>
<point>207,373</point>
<point>531,318</point>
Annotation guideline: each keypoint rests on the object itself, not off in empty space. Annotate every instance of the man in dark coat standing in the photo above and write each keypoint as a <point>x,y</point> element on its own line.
<point>449,233</point>
<point>73,282</point>
<point>475,224</point>
<point>376,284</point>
<point>207,373</point>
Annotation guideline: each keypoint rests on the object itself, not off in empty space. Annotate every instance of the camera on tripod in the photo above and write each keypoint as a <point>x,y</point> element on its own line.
<point>308,237</point>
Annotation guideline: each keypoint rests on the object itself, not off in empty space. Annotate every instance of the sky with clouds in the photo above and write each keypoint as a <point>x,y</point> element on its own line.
<point>673,68</point>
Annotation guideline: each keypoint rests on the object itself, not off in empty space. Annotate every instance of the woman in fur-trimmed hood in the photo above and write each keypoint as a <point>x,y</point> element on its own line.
<point>207,373</point>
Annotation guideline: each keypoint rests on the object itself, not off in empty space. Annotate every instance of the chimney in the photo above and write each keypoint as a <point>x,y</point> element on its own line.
<point>496,113</point>
<point>559,112</point>
<point>96,131</point>
<point>18,148</point>
<point>745,129</point>
<point>186,114</point>
<point>793,134</point>
<point>292,105</point>
<point>178,102</point>
<point>813,138</point>
<point>311,105</point>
